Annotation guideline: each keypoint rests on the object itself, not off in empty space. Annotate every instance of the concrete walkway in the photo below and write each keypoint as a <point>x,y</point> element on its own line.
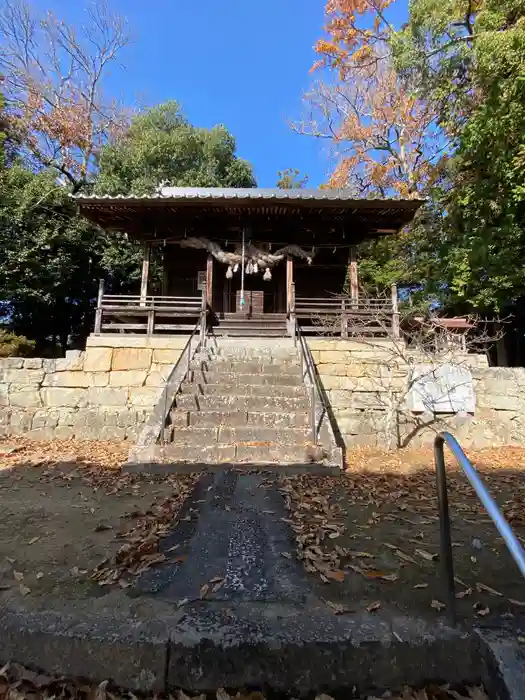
<point>232,607</point>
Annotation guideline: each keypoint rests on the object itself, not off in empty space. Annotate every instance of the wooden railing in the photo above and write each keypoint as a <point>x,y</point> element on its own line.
<point>150,314</point>
<point>348,317</point>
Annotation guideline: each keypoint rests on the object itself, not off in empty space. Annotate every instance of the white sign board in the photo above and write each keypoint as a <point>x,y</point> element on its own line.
<point>442,389</point>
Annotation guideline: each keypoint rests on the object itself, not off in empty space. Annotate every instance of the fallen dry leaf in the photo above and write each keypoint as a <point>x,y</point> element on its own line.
<point>437,605</point>
<point>482,587</point>
<point>373,606</point>
<point>426,555</point>
<point>421,585</point>
<point>19,576</point>
<point>203,592</point>
<point>335,575</point>
<point>34,539</point>
<point>24,590</point>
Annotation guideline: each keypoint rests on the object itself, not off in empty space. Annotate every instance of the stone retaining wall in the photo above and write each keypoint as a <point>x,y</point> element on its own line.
<point>362,381</point>
<point>105,392</point>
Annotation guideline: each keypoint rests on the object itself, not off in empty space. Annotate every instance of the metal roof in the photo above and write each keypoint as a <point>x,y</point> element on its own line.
<point>216,194</point>
<point>173,211</point>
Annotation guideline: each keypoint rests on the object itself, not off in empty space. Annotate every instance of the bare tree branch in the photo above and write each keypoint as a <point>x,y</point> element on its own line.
<point>53,85</point>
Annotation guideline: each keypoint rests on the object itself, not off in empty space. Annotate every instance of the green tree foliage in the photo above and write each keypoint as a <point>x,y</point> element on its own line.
<point>468,60</point>
<point>51,258</point>
<point>162,147</point>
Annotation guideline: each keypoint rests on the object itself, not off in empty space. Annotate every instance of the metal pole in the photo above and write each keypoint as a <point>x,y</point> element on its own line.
<point>314,427</point>
<point>446,559</point>
<point>490,505</point>
<point>189,354</point>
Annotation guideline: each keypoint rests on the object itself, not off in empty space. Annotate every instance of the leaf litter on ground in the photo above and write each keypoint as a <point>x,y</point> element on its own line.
<point>19,683</point>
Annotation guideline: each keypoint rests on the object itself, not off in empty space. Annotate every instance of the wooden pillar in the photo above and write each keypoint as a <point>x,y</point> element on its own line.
<point>165,272</point>
<point>209,281</point>
<point>98,312</point>
<point>146,252</point>
<point>354,280</point>
<point>396,330</point>
<point>289,283</point>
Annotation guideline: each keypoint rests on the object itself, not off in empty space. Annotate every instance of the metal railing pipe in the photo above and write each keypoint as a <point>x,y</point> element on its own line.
<point>513,544</point>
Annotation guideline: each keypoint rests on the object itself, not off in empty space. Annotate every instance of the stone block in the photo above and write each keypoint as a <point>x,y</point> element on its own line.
<point>144,396</point>
<point>66,397</point>
<point>49,365</point>
<point>11,363</point>
<point>337,370</point>
<point>24,396</point>
<point>41,434</point>
<point>126,417</point>
<point>128,377</point>
<point>23,376</point>
<point>362,369</point>
<point>112,432</point>
<point>64,432</point>
<point>166,356</point>
<point>131,358</point>
<point>68,379</point>
<point>33,363</point>
<point>333,357</point>
<point>132,432</point>
<point>158,375</point>
<point>498,402</point>
<point>106,396</point>
<point>97,378</point>
<point>66,417</point>
<point>5,417</point>
<point>72,362</point>
<point>45,419</point>
<point>97,359</point>
<point>4,395</point>
<point>20,420</point>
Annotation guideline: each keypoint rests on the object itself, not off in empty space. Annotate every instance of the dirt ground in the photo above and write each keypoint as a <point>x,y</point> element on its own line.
<point>371,538</point>
<point>72,526</point>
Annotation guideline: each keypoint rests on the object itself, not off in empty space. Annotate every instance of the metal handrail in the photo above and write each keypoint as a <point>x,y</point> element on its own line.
<point>513,545</point>
<point>175,377</point>
<point>316,390</point>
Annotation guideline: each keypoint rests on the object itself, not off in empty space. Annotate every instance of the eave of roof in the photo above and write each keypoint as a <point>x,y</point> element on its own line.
<point>179,195</point>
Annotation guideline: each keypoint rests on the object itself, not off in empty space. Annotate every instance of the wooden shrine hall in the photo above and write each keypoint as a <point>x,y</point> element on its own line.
<point>253,261</point>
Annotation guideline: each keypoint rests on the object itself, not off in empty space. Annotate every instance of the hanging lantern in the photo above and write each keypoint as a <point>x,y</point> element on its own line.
<point>267,275</point>
<point>229,272</point>
<point>255,268</point>
<point>249,268</point>
<point>236,267</point>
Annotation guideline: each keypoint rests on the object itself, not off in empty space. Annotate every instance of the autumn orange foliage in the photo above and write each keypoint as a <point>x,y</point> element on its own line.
<point>383,136</point>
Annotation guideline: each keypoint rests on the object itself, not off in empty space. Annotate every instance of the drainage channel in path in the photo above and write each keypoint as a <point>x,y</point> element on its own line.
<point>249,617</point>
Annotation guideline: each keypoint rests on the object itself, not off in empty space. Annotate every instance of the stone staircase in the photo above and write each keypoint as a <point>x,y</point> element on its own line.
<point>243,401</point>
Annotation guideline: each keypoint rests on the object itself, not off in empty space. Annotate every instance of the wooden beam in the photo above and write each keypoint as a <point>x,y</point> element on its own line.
<point>209,281</point>
<point>354,280</point>
<point>146,251</point>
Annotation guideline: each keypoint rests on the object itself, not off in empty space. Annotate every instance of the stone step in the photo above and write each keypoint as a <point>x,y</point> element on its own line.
<point>238,387</point>
<point>242,403</point>
<point>248,367</point>
<point>215,376</point>
<point>238,454</point>
<point>277,419</point>
<point>240,435</point>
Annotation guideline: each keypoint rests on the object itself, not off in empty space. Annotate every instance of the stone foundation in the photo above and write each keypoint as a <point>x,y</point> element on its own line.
<point>105,392</point>
<point>363,381</point>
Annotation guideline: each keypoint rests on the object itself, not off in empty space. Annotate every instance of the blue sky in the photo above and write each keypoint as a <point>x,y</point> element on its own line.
<point>242,63</point>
